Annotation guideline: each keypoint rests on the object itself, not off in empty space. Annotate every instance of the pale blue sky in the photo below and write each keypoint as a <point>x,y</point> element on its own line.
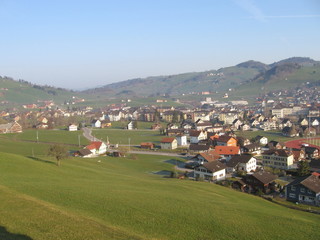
<point>82,44</point>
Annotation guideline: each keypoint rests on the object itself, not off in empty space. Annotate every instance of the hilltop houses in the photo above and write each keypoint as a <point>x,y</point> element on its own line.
<point>13,127</point>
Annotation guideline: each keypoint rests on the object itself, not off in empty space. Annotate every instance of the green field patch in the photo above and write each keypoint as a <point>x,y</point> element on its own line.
<point>122,136</point>
<point>120,193</point>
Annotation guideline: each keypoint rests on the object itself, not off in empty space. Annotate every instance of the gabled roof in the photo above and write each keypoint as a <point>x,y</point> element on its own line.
<point>264,177</point>
<point>278,152</point>
<point>197,147</point>
<point>146,144</point>
<point>94,145</point>
<point>252,147</point>
<point>84,152</point>
<point>223,138</point>
<point>311,182</point>
<point>235,160</point>
<point>194,133</point>
<point>214,166</point>
<point>167,140</point>
<point>227,150</point>
<point>210,156</point>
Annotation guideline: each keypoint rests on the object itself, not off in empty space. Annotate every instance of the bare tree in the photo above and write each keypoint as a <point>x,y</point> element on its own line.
<point>58,151</point>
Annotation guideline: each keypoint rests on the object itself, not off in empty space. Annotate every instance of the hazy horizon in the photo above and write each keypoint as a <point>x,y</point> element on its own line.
<point>80,45</point>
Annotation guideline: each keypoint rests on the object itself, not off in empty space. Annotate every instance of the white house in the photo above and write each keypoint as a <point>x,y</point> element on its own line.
<point>169,143</point>
<point>96,123</point>
<point>245,163</point>
<point>214,171</point>
<point>315,122</point>
<point>182,140</point>
<point>73,127</point>
<point>113,116</point>
<point>97,148</point>
<point>130,125</point>
<point>262,140</point>
<point>196,136</point>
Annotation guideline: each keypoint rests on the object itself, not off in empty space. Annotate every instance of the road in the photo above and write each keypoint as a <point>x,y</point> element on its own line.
<point>87,133</point>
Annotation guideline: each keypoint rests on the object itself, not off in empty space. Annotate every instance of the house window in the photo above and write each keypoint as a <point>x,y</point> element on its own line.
<point>310,192</point>
<point>293,188</point>
<point>221,175</point>
<point>292,195</point>
<point>302,190</point>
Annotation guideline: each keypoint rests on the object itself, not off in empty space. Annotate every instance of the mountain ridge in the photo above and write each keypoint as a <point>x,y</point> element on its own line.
<point>219,80</point>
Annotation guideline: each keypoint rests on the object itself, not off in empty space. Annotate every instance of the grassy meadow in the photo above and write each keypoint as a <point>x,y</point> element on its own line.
<point>271,135</point>
<point>128,198</point>
<point>121,136</point>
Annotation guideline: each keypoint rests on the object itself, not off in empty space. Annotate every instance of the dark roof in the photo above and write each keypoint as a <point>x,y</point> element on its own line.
<point>252,146</point>
<point>223,138</point>
<point>264,177</point>
<point>278,152</point>
<point>84,152</point>
<point>310,150</point>
<point>235,160</point>
<point>196,147</point>
<point>194,133</point>
<point>311,182</point>
<point>214,166</point>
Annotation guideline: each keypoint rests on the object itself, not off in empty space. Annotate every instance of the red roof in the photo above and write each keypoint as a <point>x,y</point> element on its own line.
<point>94,145</point>
<point>227,150</point>
<point>167,140</point>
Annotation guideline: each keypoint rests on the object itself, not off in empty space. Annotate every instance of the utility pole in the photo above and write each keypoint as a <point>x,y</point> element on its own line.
<point>79,139</point>
<point>129,144</point>
<point>37,137</point>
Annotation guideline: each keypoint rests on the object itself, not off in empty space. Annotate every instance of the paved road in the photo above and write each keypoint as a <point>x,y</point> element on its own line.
<point>87,133</point>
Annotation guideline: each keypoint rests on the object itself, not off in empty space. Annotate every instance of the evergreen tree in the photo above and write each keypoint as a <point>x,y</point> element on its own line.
<point>303,168</point>
<point>175,117</point>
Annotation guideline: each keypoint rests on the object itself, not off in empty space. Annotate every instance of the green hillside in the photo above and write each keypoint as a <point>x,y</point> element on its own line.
<point>128,198</point>
<point>298,77</point>
<point>248,79</point>
<point>16,93</point>
<point>212,81</point>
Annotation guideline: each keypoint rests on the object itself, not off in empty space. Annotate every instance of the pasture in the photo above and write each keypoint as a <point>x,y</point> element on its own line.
<point>121,136</point>
<point>128,198</point>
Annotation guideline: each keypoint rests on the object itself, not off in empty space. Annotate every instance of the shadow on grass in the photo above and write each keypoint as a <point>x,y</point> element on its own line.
<point>41,160</point>
<point>164,173</point>
<point>175,162</point>
<point>4,234</point>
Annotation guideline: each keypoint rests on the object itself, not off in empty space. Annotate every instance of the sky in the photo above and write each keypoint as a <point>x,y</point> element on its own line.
<point>78,44</point>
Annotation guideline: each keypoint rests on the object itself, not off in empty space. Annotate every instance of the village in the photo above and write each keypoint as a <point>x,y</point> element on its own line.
<point>250,148</point>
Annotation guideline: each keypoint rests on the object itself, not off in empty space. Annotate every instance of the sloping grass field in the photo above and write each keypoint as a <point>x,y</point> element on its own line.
<point>121,136</point>
<point>128,198</point>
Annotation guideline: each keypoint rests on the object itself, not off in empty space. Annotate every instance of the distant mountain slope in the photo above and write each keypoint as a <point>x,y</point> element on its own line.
<point>246,79</point>
<point>302,61</point>
<point>261,67</point>
<point>215,80</point>
<point>244,75</point>
<point>16,93</point>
